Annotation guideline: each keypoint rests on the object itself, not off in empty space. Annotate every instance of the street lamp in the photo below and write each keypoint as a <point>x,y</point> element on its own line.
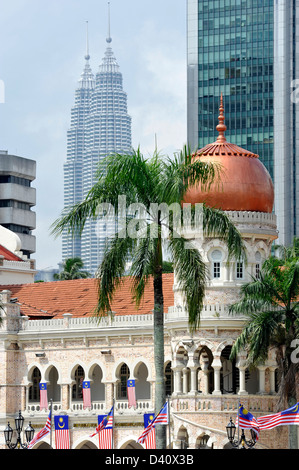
<point>8,432</point>
<point>243,442</point>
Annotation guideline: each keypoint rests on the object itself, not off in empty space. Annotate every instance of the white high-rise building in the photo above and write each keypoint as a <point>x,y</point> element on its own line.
<point>100,125</point>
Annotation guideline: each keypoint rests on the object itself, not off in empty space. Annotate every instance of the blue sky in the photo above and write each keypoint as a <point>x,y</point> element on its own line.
<point>41,59</point>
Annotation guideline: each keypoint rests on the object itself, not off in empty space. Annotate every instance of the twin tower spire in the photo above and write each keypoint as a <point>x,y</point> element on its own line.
<point>109,63</point>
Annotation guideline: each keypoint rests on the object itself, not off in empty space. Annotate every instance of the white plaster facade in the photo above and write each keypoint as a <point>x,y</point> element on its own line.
<point>203,384</point>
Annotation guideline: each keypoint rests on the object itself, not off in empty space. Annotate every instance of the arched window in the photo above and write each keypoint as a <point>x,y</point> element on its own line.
<point>168,379</point>
<point>216,263</point>
<point>34,388</point>
<point>124,375</point>
<point>240,270</point>
<point>77,393</point>
<point>143,387</point>
<point>258,261</point>
<point>53,387</point>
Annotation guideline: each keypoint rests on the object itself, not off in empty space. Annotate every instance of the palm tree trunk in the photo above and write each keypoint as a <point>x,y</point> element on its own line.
<point>159,348</point>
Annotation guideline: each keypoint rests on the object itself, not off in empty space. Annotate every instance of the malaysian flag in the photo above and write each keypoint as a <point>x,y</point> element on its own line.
<point>131,393</point>
<point>286,417</point>
<point>247,421</point>
<point>106,434</point>
<point>86,394</point>
<point>150,440</point>
<point>42,433</point>
<point>62,436</point>
<point>43,395</point>
<point>105,423</point>
<point>161,418</point>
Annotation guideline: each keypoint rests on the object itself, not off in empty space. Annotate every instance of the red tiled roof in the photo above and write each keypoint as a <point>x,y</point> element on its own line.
<point>79,297</point>
<point>9,255</point>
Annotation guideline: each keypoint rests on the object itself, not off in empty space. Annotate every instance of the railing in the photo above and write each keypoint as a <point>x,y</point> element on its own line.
<point>34,407</point>
<point>96,406</point>
<point>229,403</point>
<point>19,265</point>
<point>123,321</point>
<point>122,406</point>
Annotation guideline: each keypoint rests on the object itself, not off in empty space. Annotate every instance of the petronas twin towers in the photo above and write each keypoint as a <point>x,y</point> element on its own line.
<point>100,125</point>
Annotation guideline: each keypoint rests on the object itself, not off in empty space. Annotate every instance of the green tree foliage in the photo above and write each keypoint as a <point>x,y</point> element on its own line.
<point>149,181</point>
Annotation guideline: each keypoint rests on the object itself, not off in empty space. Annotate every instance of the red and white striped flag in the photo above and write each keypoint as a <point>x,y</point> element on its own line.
<point>161,418</point>
<point>43,396</point>
<point>86,394</point>
<point>131,393</point>
<point>106,435</point>
<point>150,439</point>
<point>286,417</point>
<point>62,435</point>
<point>42,433</point>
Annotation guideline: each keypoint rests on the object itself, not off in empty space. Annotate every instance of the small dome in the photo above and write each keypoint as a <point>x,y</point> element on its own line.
<point>245,183</point>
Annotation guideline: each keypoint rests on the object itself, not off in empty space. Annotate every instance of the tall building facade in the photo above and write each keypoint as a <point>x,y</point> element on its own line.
<point>246,49</point>
<point>17,198</point>
<point>100,125</point>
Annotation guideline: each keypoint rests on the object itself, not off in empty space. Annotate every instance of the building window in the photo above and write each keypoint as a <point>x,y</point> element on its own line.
<point>122,385</point>
<point>77,393</point>
<point>216,259</point>
<point>216,270</point>
<point>240,270</point>
<point>257,270</point>
<point>258,260</point>
<point>34,389</point>
<point>168,379</point>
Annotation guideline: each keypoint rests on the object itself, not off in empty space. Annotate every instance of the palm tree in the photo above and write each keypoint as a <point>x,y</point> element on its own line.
<point>150,182</point>
<point>270,303</point>
<point>72,269</point>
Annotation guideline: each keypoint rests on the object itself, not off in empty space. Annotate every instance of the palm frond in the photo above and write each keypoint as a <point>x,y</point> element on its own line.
<point>191,275</point>
<point>142,265</point>
<point>111,271</point>
<point>217,224</point>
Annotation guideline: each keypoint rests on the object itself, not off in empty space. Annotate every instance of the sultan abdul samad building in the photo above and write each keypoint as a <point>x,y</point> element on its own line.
<point>49,335</point>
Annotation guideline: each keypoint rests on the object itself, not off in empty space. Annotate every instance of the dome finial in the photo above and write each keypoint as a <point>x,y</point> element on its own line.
<point>221,128</point>
<point>109,37</point>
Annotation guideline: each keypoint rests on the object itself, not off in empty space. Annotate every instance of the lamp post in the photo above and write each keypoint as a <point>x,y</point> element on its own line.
<point>242,442</point>
<point>8,432</point>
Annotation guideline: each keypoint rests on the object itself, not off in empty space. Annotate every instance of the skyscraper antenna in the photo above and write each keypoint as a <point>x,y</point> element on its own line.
<point>87,57</point>
<point>109,36</point>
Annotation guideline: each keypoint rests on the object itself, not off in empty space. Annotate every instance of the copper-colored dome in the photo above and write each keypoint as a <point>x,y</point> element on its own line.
<point>245,184</point>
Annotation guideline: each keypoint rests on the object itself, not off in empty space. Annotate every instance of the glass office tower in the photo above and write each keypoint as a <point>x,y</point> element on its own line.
<point>246,49</point>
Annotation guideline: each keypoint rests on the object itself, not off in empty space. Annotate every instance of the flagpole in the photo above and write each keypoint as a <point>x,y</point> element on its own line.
<point>113,425</point>
<point>169,436</point>
<point>51,403</point>
<point>238,421</point>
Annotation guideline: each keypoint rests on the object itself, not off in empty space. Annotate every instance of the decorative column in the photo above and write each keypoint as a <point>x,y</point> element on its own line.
<point>272,370</point>
<point>241,365</point>
<point>109,394</point>
<point>261,370</point>
<point>177,380</point>
<point>185,380</point>
<point>217,365</point>
<point>242,389</point>
<point>206,372</point>
<point>65,396</point>
<point>193,381</point>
